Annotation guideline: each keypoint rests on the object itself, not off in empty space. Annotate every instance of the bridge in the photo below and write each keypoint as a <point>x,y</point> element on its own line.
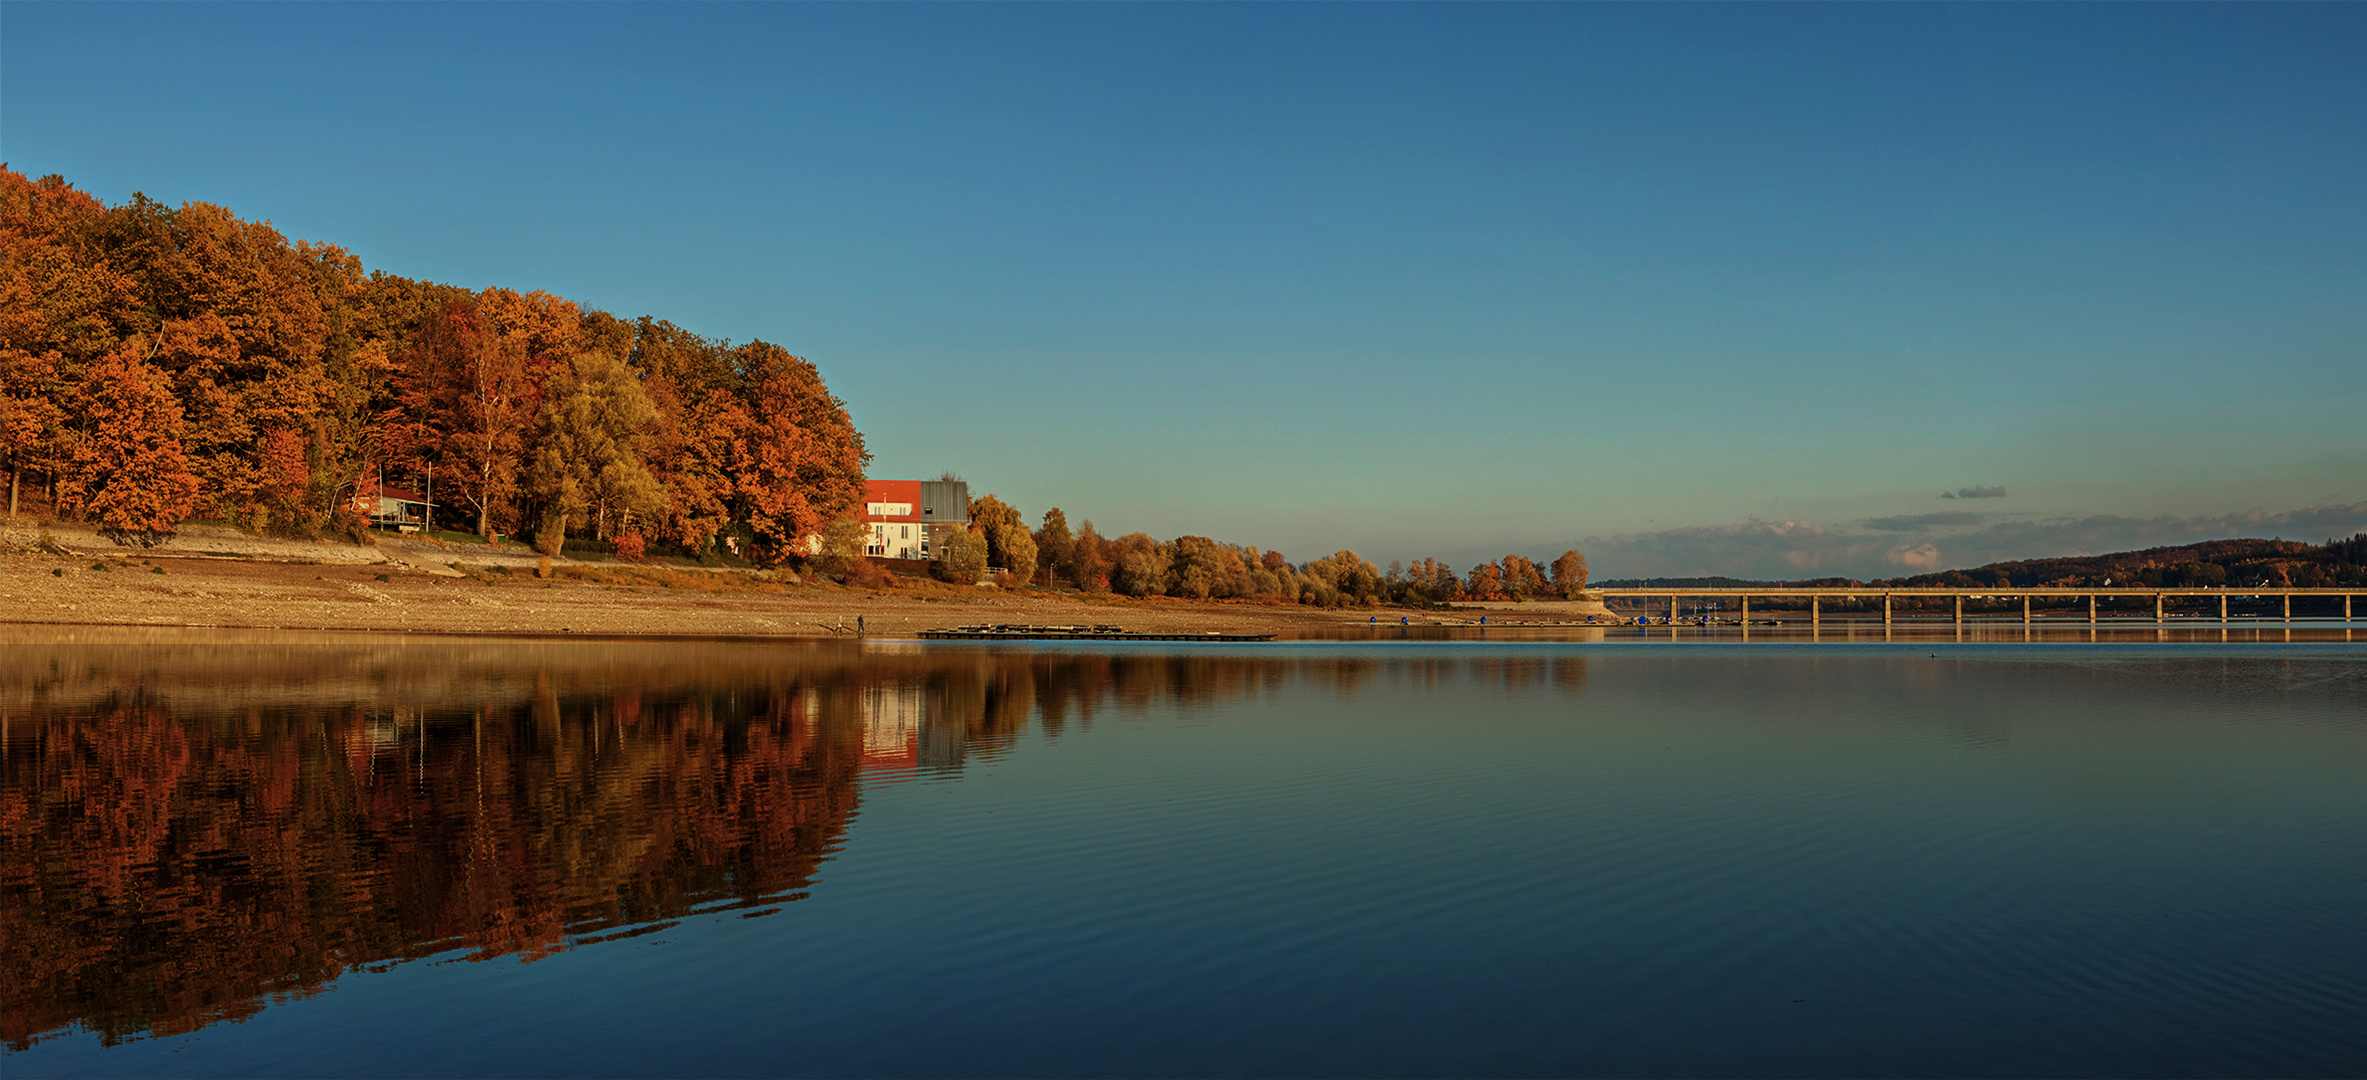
<point>2054,598</point>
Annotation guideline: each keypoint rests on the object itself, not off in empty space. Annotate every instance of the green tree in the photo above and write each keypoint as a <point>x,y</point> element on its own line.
<point>587,461</point>
<point>1203,568</point>
<point>1141,565</point>
<point>1054,546</point>
<point>961,557</point>
<point>843,543</point>
<point>1008,543</point>
<point>1346,578</point>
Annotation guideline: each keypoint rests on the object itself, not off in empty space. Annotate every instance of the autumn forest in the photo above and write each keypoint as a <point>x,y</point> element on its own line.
<point>162,364</point>
<point>159,364</point>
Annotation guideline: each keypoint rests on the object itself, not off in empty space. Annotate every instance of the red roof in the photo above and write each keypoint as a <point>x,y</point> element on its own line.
<point>892,493</point>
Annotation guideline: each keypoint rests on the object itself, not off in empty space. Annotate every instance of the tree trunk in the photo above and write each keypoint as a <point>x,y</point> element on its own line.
<point>13,476</point>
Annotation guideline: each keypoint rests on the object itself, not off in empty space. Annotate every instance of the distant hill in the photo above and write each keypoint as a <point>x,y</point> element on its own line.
<point>2276,563</point>
<point>2273,563</point>
<point>1683,583</point>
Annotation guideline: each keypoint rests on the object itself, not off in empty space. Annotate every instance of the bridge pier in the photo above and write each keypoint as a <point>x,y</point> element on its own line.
<point>2222,607</point>
<point>1816,609</point>
<point>2288,607</point>
<point>2091,609</point>
<point>1672,609</point>
<point>1746,608</point>
<point>1886,609</point>
<point>2157,607</point>
<point>2025,609</point>
<point>1960,609</point>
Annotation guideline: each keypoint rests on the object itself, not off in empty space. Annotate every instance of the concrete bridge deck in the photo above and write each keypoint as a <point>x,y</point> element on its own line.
<point>1892,597</point>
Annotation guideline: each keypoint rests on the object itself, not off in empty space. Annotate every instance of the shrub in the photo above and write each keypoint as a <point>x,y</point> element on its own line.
<point>631,546</point>
<point>551,538</point>
<point>863,573</point>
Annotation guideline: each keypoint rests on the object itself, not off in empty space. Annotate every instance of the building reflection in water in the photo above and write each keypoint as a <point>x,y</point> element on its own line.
<point>194,831</point>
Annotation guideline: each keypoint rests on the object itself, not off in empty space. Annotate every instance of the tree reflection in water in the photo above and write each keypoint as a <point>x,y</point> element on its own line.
<point>194,831</point>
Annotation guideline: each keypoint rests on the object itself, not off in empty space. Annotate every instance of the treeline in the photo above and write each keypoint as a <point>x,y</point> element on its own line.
<point>2283,564</point>
<point>1199,568</point>
<point>161,363</point>
<point>2266,563</point>
<point>1713,582</point>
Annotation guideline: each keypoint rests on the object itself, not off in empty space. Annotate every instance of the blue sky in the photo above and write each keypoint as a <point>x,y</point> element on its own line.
<point>1701,288</point>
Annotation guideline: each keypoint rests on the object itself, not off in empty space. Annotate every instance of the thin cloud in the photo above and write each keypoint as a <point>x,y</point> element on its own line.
<point>1997,492</point>
<point>1920,559</point>
<point>1924,522</point>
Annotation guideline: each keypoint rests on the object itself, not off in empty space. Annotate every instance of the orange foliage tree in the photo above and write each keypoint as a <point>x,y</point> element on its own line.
<point>791,452</point>
<point>1569,573</point>
<point>298,377</point>
<point>129,472</point>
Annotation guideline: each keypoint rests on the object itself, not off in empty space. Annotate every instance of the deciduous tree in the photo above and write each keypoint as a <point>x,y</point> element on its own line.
<point>129,472</point>
<point>1054,544</point>
<point>1522,578</point>
<point>1569,573</point>
<point>793,456</point>
<point>587,459</point>
<point>1139,565</point>
<point>961,557</point>
<point>1088,565</point>
<point>467,409</point>
<point>1009,544</point>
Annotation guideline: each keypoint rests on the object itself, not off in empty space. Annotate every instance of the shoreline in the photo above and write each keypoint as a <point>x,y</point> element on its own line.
<point>216,578</point>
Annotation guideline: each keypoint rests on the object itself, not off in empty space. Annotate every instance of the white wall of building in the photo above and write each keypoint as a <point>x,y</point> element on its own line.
<point>896,540</point>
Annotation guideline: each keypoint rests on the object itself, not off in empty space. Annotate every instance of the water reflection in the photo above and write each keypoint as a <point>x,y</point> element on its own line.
<point>195,830</point>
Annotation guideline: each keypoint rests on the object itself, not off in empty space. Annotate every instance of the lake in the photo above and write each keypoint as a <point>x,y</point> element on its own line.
<point>275,854</point>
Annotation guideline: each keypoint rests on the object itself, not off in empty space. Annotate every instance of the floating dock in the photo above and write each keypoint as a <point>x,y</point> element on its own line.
<point>1008,632</point>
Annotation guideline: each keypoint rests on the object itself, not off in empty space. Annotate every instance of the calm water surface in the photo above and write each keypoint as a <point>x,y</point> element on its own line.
<point>385,856</point>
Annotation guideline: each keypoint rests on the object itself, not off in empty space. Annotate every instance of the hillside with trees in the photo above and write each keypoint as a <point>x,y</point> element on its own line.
<point>160,364</point>
<point>2264,563</point>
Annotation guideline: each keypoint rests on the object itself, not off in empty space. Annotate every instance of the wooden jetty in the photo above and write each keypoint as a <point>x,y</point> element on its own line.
<point>1012,632</point>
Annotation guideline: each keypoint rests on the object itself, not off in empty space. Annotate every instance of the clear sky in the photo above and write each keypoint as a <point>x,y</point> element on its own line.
<point>1701,288</point>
